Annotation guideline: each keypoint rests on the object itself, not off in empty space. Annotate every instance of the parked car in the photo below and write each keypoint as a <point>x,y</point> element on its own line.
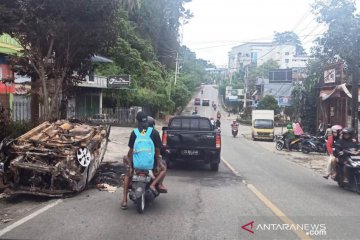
<point>192,138</point>
<point>197,101</point>
<point>206,102</point>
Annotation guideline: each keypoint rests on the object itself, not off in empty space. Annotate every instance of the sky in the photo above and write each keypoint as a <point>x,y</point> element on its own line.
<point>218,25</point>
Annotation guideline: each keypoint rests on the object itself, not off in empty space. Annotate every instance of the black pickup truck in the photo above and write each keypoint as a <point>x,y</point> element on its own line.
<point>192,138</point>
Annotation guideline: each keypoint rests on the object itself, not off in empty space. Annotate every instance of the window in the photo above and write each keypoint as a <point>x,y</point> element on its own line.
<point>194,124</point>
<point>287,53</point>
<point>185,124</point>
<point>254,57</point>
<point>264,123</point>
<point>286,60</point>
<point>204,125</point>
<point>175,124</point>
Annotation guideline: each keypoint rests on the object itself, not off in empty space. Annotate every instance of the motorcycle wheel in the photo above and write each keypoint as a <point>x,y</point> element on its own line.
<point>305,149</point>
<point>279,146</point>
<point>140,203</point>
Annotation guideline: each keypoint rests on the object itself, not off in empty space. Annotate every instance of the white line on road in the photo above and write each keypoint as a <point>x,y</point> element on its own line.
<point>231,167</point>
<point>29,217</point>
<point>280,214</point>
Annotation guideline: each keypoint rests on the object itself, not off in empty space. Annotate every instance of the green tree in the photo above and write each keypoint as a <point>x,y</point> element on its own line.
<point>261,71</point>
<point>58,37</point>
<point>159,22</point>
<point>268,103</point>
<point>289,37</point>
<point>342,38</point>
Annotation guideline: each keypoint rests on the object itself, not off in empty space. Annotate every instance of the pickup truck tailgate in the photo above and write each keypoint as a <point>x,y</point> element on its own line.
<point>190,139</point>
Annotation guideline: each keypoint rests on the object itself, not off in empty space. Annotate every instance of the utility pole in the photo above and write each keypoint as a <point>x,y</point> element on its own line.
<point>355,99</point>
<point>176,72</point>
<point>176,67</point>
<point>245,85</point>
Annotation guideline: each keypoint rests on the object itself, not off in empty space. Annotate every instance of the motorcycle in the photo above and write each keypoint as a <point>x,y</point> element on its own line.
<point>295,144</point>
<point>314,144</point>
<point>140,192</point>
<point>234,132</point>
<point>350,161</point>
<point>280,142</point>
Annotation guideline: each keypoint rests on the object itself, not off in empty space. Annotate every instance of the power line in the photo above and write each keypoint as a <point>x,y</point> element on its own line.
<point>306,14</point>
<point>229,44</point>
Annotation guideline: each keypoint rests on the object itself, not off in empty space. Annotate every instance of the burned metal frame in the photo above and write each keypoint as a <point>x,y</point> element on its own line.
<point>44,161</point>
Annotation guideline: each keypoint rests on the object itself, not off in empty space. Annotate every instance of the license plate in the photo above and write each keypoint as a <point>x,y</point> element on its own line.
<point>137,178</point>
<point>190,152</point>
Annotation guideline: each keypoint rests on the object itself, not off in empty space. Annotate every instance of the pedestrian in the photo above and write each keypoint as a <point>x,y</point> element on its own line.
<point>321,128</point>
<point>297,129</point>
<point>328,132</point>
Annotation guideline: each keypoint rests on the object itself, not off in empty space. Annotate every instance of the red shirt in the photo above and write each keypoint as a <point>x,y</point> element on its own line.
<point>330,145</point>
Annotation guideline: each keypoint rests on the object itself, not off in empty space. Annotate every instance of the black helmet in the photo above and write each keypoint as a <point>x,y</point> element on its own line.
<point>151,121</point>
<point>349,131</point>
<point>141,117</point>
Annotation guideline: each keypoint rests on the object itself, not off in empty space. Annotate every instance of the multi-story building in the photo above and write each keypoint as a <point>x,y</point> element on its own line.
<point>258,53</point>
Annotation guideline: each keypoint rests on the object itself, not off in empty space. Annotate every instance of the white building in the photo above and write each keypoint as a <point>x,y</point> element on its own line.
<point>259,52</point>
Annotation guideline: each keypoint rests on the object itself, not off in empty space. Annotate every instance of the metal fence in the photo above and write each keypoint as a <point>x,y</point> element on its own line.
<point>21,112</point>
<point>121,116</point>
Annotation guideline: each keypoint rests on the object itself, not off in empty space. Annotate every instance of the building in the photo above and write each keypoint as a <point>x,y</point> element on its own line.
<point>279,84</point>
<point>334,103</point>
<point>257,53</point>
<point>8,46</point>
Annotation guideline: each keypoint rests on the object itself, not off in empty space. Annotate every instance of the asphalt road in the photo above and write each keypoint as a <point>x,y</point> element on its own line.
<point>261,186</point>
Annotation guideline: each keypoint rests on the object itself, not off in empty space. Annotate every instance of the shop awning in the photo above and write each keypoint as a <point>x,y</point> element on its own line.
<point>327,93</point>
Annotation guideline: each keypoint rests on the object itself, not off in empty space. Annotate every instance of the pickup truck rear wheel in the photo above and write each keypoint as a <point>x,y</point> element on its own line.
<point>214,167</point>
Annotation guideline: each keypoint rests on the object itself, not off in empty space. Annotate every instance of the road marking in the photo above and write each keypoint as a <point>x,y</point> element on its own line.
<point>29,217</point>
<point>280,214</point>
<point>230,167</point>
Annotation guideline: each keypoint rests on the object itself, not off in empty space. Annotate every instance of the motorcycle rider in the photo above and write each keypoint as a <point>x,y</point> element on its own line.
<point>217,123</point>
<point>159,168</point>
<point>218,115</point>
<point>288,136</point>
<point>234,125</point>
<point>212,121</point>
<point>332,139</point>
<point>346,142</point>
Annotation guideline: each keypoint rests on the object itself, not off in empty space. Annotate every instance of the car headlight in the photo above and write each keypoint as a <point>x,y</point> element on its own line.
<point>2,167</point>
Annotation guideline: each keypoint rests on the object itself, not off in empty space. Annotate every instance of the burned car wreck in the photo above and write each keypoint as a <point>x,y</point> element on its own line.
<point>52,159</point>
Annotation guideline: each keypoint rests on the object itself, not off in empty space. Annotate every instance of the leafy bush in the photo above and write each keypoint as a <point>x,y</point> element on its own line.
<point>14,129</point>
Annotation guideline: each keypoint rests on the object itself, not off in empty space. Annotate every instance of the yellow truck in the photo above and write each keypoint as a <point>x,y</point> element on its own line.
<point>262,125</point>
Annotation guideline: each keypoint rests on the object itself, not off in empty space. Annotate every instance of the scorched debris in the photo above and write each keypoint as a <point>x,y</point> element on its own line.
<point>53,158</point>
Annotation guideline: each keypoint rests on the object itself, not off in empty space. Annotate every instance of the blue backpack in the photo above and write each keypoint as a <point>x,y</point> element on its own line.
<point>144,150</point>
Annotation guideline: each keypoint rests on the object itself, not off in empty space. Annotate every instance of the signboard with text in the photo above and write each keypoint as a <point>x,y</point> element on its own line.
<point>333,74</point>
<point>284,101</point>
<point>329,75</point>
<point>120,81</point>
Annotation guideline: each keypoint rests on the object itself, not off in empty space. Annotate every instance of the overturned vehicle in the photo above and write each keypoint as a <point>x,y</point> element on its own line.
<point>52,159</point>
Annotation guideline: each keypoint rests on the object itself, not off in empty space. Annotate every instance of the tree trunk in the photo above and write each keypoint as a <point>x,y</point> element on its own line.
<point>34,101</point>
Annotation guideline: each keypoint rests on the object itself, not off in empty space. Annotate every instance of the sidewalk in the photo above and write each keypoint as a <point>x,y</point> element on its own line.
<point>117,146</point>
